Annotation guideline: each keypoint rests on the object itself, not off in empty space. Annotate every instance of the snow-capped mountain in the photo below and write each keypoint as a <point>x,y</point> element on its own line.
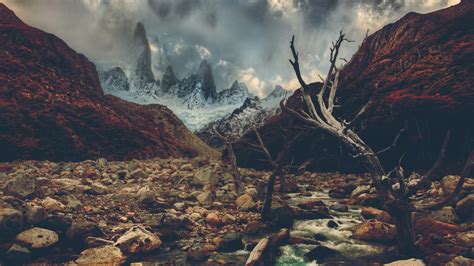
<point>114,80</point>
<point>236,94</point>
<point>252,114</point>
<point>194,99</point>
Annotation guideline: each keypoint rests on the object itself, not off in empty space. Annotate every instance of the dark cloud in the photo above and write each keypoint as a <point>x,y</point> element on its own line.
<point>242,39</point>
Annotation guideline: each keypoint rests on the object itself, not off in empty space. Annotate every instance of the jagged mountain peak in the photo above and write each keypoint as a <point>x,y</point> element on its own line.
<point>239,86</point>
<point>278,92</point>
<point>143,70</point>
<point>139,35</point>
<point>206,77</point>
<point>169,78</point>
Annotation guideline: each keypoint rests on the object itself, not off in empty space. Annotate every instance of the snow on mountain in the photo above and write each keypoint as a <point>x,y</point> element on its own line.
<point>252,114</point>
<point>236,94</point>
<point>113,80</point>
<point>194,99</point>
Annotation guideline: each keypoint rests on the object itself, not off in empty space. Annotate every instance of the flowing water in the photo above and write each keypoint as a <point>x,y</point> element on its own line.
<point>338,239</point>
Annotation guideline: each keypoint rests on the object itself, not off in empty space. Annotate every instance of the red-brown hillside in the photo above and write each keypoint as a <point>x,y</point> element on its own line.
<point>52,106</point>
<point>418,69</point>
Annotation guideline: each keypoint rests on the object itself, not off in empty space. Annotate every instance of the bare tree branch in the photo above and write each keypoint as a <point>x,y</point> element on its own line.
<point>395,141</point>
<point>264,148</point>
<point>466,172</point>
<point>431,173</point>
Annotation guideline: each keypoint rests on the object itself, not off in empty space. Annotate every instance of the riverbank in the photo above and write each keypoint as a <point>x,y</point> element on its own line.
<point>184,211</point>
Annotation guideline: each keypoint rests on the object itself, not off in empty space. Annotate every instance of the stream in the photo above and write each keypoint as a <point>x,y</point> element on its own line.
<point>353,252</point>
<point>338,239</point>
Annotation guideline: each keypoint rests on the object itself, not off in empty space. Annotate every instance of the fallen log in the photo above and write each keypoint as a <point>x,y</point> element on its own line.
<point>255,257</point>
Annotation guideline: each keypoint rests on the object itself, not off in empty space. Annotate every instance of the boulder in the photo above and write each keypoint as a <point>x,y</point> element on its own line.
<point>206,176</point>
<point>448,184</point>
<point>138,174</point>
<point>466,239</point>
<point>311,204</point>
<point>18,254</point>
<point>252,192</point>
<point>228,219</point>
<point>35,214</point>
<point>426,226</point>
<point>71,201</point>
<point>460,261</point>
<point>465,207</point>
<point>254,228</point>
<point>332,224</point>
<point>52,205</point>
<point>138,240</point>
<point>408,262</point>
<point>360,190</point>
<point>21,187</point>
<point>337,193</point>
<point>231,242</point>
<point>105,255</point>
<point>281,217</point>
<point>446,214</point>
<point>11,222</point>
<point>339,207</point>
<point>370,200</point>
<point>373,213</point>
<point>96,188</point>
<point>198,254</point>
<point>123,174</point>
<point>80,230</point>
<point>320,253</point>
<point>320,237</point>
<point>57,222</point>
<point>206,198</point>
<point>213,219</point>
<point>37,238</point>
<point>374,230</point>
<point>245,202</point>
<point>148,200</point>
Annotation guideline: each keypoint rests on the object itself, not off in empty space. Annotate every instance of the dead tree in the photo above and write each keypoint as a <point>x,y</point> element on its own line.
<point>279,166</point>
<point>262,148</point>
<point>319,115</point>
<point>231,160</point>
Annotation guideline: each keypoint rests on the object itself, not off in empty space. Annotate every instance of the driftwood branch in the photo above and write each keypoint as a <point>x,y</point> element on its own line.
<point>255,256</point>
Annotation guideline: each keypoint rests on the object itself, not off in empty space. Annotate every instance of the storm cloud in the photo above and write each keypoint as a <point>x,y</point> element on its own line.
<point>243,39</point>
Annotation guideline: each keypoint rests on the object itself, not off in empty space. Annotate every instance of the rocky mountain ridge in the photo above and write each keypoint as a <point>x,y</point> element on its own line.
<point>412,71</point>
<point>52,106</point>
<point>253,113</point>
<point>194,98</point>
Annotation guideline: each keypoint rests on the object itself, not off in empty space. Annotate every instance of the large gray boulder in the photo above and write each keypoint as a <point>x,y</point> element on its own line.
<point>206,176</point>
<point>21,187</point>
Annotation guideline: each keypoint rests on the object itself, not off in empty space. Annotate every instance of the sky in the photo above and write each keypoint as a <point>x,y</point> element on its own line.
<point>245,40</point>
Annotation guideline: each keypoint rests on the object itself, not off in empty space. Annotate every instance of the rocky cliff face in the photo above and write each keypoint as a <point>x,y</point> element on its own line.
<point>143,70</point>
<point>52,106</point>
<point>416,70</point>
<point>169,79</point>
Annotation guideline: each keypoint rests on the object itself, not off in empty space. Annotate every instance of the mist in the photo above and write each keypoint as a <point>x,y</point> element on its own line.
<point>247,40</point>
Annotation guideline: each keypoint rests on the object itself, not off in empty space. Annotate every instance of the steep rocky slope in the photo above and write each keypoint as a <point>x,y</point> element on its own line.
<point>52,106</point>
<point>418,69</point>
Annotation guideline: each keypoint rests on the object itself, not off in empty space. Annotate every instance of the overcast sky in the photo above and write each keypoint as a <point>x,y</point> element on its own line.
<point>242,39</point>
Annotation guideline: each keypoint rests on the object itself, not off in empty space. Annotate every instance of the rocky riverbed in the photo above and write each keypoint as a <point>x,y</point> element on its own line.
<point>184,211</point>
